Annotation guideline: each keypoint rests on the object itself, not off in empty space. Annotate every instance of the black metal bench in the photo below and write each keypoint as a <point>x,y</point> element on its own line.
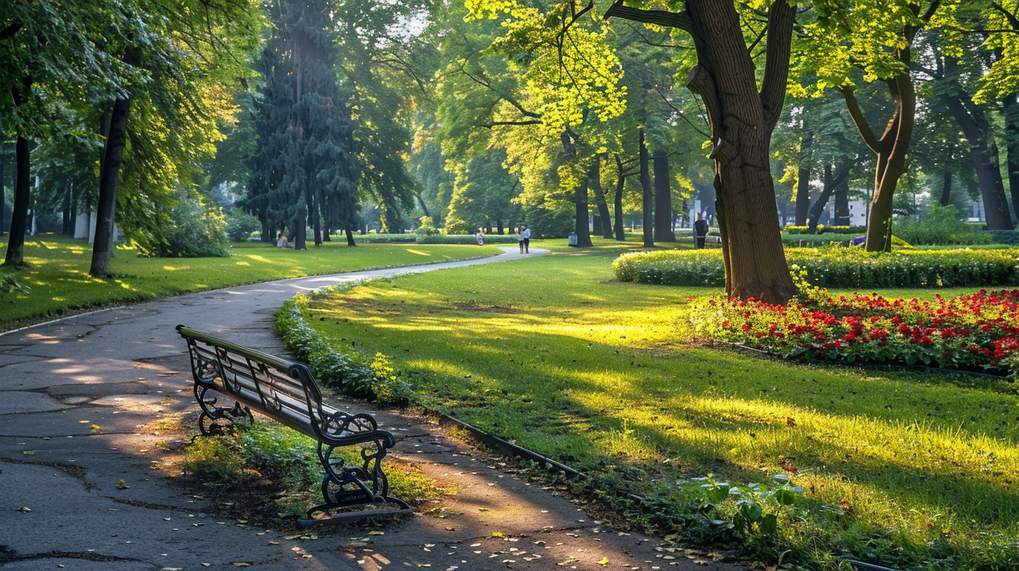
<point>287,393</point>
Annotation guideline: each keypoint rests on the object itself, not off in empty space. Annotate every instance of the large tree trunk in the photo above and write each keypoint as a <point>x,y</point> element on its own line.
<point>663,198</point>
<point>617,203</point>
<point>350,237</point>
<point>599,198</point>
<point>803,182</point>
<point>984,152</point>
<point>841,217</point>
<point>22,186</point>
<point>102,248</point>
<point>742,120</point>
<point>19,213</point>
<point>581,227</point>
<point>648,195</point>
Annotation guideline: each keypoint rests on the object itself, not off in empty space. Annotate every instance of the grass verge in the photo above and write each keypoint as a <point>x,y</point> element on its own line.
<point>56,282</point>
<point>907,470</point>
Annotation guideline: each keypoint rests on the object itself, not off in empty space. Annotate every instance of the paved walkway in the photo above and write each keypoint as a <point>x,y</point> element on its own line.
<point>76,393</point>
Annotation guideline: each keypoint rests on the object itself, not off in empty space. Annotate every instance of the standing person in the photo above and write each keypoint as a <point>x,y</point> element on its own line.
<point>519,237</point>
<point>480,236</point>
<point>700,230</point>
<point>527,239</point>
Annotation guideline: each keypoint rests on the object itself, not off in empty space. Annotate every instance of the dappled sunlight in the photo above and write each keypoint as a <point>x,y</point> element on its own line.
<point>419,253</point>
<point>242,263</point>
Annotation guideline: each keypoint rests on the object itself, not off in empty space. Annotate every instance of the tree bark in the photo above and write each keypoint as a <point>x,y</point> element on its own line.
<point>19,212</point>
<point>599,198</point>
<point>984,153</point>
<point>350,237</point>
<point>617,203</point>
<point>663,198</point>
<point>102,247</point>
<point>648,196</point>
<point>580,226</point>
<point>946,187</point>
<point>22,186</point>
<point>742,120</point>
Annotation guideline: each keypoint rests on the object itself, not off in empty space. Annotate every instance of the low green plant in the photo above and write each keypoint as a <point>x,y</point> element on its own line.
<point>943,226</point>
<point>836,267</point>
<point>349,371</point>
<point>195,230</point>
<point>8,286</point>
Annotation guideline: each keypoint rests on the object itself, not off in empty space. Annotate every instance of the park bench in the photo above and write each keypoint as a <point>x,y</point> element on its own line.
<point>286,392</point>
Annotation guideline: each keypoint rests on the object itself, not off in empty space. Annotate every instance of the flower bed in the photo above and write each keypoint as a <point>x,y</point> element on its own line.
<point>836,267</point>
<point>978,332</point>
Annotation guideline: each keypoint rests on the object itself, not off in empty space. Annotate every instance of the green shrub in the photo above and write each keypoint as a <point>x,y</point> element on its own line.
<point>427,228</point>
<point>942,227</point>
<point>1010,237</point>
<point>836,267</point>
<point>822,229</point>
<point>240,225</point>
<point>350,372</point>
<point>546,223</point>
<point>8,285</point>
<point>385,238</point>
<point>195,230</point>
<point>465,239</point>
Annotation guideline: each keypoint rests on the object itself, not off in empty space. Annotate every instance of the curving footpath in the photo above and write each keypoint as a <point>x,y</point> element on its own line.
<point>81,486</point>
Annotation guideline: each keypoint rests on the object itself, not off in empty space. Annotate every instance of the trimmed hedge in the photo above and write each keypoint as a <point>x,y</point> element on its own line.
<point>822,229</point>
<point>835,268</point>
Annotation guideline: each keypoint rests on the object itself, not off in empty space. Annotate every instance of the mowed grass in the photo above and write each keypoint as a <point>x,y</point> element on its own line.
<point>57,281</point>
<point>914,470</point>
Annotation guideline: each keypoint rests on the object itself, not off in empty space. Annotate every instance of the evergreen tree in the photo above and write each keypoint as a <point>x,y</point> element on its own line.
<point>302,167</point>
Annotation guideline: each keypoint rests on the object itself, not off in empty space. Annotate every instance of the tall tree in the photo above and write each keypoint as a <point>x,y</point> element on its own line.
<point>742,116</point>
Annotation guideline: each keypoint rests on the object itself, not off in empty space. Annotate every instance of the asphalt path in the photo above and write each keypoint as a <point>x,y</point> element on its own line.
<point>83,484</point>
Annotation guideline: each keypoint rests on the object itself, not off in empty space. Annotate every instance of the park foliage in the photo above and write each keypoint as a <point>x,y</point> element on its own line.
<point>836,267</point>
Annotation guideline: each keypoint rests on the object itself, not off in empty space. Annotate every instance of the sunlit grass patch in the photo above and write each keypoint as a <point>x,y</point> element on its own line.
<point>57,282</point>
<point>906,469</point>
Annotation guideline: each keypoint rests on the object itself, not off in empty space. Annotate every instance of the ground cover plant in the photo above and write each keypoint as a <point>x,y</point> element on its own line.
<point>57,283</point>
<point>837,267</point>
<point>912,471</point>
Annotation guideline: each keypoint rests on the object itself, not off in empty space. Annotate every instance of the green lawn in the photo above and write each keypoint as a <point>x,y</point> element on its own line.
<point>913,470</point>
<point>58,283</point>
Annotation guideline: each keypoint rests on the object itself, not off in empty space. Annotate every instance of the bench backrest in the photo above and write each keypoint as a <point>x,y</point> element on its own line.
<point>282,390</point>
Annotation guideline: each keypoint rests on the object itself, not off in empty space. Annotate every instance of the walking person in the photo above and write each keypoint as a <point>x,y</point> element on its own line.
<point>519,237</point>
<point>480,236</point>
<point>700,230</point>
<point>527,239</point>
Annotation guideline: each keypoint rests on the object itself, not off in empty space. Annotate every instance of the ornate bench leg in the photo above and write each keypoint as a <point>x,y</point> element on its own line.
<point>345,486</point>
<point>211,413</point>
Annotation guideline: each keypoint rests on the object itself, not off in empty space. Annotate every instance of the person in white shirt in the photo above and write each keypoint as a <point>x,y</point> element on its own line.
<point>527,240</point>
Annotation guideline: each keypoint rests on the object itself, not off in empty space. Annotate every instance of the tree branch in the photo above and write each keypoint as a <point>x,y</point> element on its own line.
<point>1012,20</point>
<point>861,122</point>
<point>679,20</point>
<point>781,17</point>
<point>496,123</point>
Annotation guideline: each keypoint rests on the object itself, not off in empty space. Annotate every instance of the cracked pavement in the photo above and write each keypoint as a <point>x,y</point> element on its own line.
<point>81,488</point>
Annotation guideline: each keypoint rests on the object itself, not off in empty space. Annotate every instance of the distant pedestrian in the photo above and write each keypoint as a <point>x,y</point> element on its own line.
<point>700,231</point>
<point>519,237</point>
<point>281,240</point>
<point>480,236</point>
<point>527,239</point>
